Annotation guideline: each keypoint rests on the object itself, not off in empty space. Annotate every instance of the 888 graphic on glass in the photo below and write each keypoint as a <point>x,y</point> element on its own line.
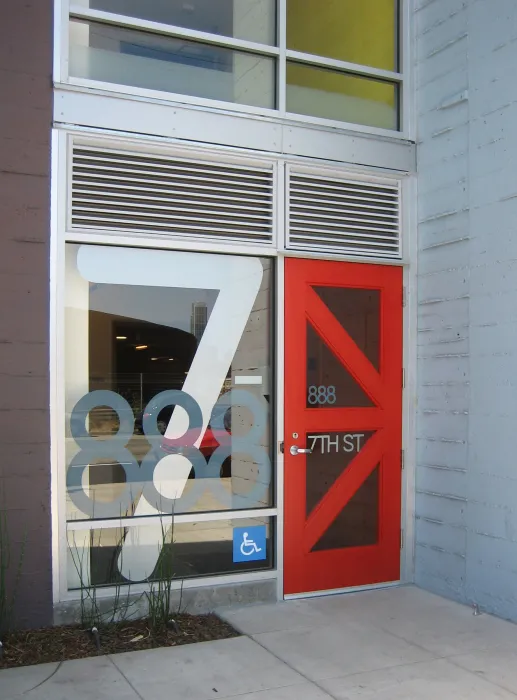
<point>162,475</point>
<point>321,395</point>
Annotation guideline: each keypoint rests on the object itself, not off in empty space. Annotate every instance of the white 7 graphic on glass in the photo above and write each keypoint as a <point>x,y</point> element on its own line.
<point>238,280</point>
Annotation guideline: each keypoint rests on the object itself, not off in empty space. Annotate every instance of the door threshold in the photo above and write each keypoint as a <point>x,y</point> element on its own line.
<point>340,591</point>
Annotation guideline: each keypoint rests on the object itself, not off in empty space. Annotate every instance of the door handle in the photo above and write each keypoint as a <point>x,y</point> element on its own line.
<point>295,450</point>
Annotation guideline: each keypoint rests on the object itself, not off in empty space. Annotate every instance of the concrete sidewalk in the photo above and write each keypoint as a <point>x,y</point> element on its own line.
<point>392,644</point>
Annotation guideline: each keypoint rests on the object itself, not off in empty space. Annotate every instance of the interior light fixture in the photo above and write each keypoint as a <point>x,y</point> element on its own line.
<point>121,337</point>
<point>141,347</point>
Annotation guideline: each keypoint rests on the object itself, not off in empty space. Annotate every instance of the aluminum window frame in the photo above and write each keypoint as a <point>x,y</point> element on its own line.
<point>61,237</point>
<point>67,10</point>
<point>63,234</point>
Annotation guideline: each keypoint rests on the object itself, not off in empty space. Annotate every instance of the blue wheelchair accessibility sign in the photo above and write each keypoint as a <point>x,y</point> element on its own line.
<point>249,543</point>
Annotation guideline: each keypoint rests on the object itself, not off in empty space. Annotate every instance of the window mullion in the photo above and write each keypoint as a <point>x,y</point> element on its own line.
<point>331,63</point>
<point>404,64</point>
<point>282,61</point>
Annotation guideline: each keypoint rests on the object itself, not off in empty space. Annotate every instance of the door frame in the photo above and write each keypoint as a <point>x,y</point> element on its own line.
<point>409,318</point>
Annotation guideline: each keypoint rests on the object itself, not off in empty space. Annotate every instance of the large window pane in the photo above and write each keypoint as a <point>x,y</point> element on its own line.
<point>359,31</point>
<point>253,20</point>
<point>329,94</point>
<point>126,57</point>
<point>187,550</point>
<point>167,383</point>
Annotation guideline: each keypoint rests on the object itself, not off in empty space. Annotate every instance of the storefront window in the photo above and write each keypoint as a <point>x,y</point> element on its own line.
<point>167,395</point>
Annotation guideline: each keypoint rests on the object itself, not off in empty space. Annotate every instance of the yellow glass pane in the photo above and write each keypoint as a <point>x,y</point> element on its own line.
<point>359,31</point>
<point>328,94</point>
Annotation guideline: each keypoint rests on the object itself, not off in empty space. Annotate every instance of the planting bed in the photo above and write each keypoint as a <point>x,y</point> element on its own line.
<point>63,643</point>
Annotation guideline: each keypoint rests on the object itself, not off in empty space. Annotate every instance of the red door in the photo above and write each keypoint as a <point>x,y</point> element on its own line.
<point>343,403</point>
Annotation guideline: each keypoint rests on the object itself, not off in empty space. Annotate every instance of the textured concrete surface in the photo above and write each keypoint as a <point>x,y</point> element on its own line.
<point>393,644</point>
<point>195,601</point>
<point>25,125</point>
<point>466,481</point>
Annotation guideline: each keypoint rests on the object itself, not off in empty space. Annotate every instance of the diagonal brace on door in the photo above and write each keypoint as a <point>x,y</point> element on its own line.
<point>343,489</point>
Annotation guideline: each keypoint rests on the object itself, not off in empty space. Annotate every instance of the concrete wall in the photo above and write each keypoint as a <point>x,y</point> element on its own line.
<point>466,529</point>
<point>25,122</point>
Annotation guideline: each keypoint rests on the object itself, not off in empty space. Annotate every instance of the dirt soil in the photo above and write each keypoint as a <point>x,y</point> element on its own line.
<point>63,643</point>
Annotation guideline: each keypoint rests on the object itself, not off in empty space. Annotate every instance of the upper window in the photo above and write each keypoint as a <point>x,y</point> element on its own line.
<point>335,60</point>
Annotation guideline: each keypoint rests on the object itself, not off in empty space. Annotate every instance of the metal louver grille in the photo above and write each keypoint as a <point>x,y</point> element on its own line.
<point>135,192</point>
<point>343,216</point>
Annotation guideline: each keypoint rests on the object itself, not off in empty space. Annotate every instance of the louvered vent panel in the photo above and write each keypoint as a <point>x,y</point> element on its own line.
<point>343,216</point>
<point>134,192</point>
